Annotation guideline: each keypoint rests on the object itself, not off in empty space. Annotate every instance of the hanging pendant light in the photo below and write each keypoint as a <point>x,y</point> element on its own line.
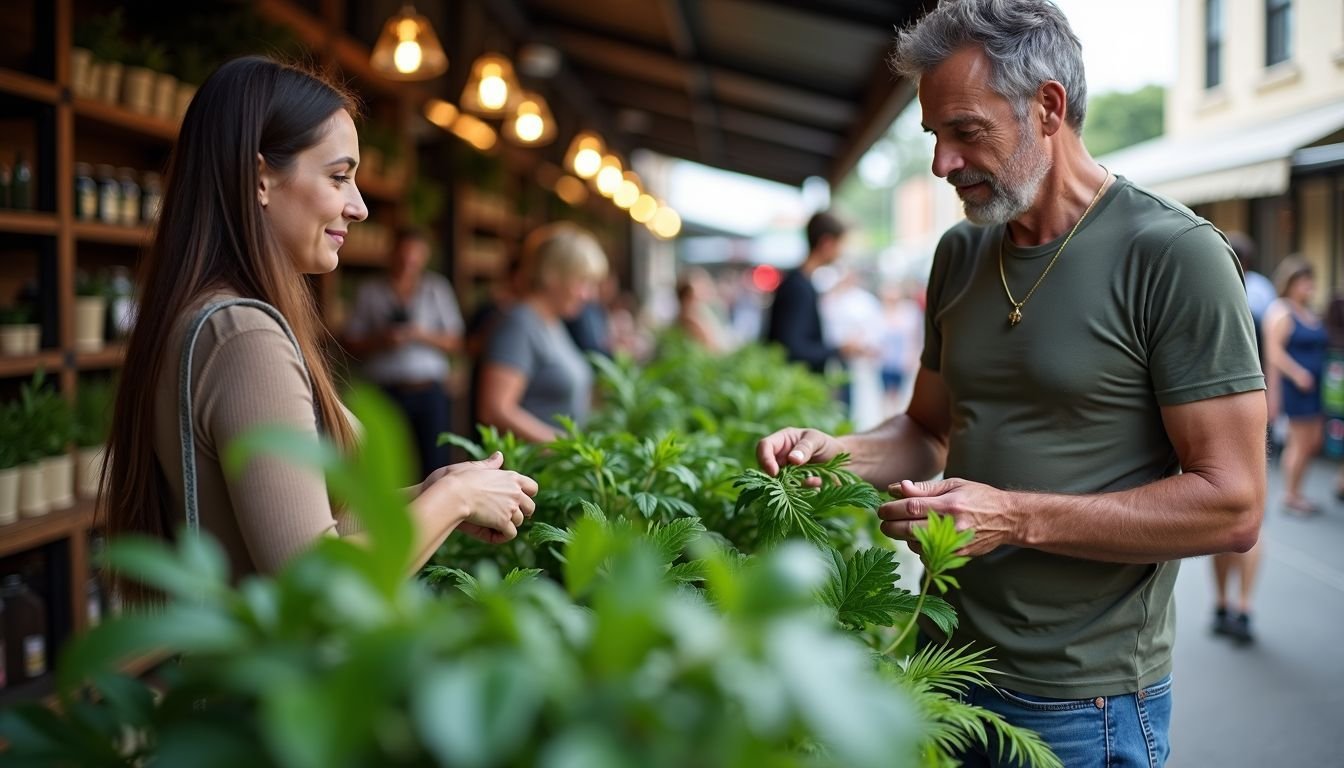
<point>666,223</point>
<point>609,176</point>
<point>584,157</point>
<point>408,49</point>
<point>627,194</point>
<point>492,90</point>
<point>644,208</point>
<point>531,124</point>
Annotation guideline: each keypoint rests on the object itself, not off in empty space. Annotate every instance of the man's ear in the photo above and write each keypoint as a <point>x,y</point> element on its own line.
<point>1053,104</point>
<point>264,181</point>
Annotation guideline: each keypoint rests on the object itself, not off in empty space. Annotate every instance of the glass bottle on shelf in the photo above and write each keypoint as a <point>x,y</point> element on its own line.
<point>130,197</point>
<point>151,195</point>
<point>122,292</point>
<point>4,185</point>
<point>109,195</point>
<point>25,631</point>
<point>21,184</point>
<point>93,601</point>
<point>86,193</point>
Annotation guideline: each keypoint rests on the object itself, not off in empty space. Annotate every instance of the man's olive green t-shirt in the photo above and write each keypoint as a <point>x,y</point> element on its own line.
<point>1143,309</point>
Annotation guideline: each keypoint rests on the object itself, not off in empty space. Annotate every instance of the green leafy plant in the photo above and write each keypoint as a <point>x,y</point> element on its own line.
<point>786,504</point>
<point>47,419</point>
<point>16,314</point>
<point>337,661</point>
<point>12,445</point>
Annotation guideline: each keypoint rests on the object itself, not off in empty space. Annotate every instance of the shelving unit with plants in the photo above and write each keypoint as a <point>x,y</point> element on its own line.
<point>93,93</point>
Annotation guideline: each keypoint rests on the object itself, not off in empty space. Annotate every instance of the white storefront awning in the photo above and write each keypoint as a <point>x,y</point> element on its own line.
<point>1252,161</point>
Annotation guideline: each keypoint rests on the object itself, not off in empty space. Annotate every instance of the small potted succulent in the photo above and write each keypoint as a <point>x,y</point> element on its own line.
<point>90,312</point>
<point>11,443</point>
<point>93,420</point>
<point>18,334</point>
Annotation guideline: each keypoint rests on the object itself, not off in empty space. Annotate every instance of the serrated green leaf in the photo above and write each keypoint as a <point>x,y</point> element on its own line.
<point>647,503</point>
<point>673,538</point>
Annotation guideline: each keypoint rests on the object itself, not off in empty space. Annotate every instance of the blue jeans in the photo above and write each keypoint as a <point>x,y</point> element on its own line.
<point>1128,731</point>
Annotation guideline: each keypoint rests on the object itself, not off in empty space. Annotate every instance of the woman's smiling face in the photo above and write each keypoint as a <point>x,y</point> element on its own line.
<point>310,206</point>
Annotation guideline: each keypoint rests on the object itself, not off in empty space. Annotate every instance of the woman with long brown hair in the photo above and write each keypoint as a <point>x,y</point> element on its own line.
<point>260,191</point>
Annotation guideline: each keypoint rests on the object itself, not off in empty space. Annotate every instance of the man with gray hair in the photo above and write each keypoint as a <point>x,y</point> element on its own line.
<point>1089,389</point>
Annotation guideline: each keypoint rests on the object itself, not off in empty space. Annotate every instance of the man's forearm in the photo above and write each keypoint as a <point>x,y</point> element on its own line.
<point>1186,515</point>
<point>897,449</point>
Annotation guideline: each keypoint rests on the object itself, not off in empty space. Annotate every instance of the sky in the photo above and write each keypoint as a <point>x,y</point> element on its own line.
<point>1125,45</point>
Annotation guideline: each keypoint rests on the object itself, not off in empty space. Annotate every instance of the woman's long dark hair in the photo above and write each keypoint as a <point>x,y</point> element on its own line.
<point>212,235</point>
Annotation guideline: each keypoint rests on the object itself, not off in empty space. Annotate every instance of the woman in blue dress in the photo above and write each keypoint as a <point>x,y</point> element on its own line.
<point>1295,347</point>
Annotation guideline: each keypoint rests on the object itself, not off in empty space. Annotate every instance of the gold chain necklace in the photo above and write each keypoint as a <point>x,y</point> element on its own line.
<point>1015,316</point>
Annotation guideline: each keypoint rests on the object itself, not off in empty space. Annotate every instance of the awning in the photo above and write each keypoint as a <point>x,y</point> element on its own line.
<point>1243,163</point>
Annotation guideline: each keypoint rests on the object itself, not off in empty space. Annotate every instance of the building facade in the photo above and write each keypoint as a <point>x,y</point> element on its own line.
<point>1254,136</point>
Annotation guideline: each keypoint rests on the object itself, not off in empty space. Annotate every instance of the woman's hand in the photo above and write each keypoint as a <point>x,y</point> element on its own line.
<point>491,502</point>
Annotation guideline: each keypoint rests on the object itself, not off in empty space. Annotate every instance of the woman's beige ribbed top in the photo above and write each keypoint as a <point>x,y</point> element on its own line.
<point>245,373</point>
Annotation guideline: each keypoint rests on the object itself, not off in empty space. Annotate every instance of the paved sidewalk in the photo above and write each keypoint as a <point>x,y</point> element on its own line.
<point>1279,702</point>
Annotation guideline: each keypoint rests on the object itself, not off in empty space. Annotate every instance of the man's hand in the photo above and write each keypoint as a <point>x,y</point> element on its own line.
<point>987,510</point>
<point>795,446</point>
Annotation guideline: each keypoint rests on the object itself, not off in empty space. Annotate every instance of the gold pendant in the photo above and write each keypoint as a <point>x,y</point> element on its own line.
<point>1015,316</point>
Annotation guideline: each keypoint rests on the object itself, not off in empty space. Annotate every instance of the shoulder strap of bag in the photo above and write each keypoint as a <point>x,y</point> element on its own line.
<point>184,413</point>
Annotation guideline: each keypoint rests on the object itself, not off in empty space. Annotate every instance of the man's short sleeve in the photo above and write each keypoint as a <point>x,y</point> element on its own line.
<point>1197,325</point>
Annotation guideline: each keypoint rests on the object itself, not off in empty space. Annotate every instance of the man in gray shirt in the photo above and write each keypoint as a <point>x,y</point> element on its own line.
<point>402,328</point>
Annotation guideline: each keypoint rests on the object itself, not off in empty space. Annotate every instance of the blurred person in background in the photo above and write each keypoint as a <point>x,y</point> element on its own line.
<point>502,292</point>
<point>795,314</point>
<point>1295,346</point>
<point>1089,388</point>
<point>695,314</point>
<point>591,327</point>
<point>1229,621</point>
<point>851,318</point>
<point>902,339</point>
<point>260,192</point>
<point>403,327</point>
<point>1334,394</point>
<point>532,372</point>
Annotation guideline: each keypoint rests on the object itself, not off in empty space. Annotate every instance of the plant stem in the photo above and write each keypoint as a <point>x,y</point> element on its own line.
<point>919,605</point>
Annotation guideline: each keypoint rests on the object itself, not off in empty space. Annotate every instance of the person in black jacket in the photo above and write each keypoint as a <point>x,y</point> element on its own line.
<point>795,322</point>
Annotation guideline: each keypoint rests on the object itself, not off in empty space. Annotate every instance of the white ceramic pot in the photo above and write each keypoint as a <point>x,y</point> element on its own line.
<point>13,340</point>
<point>109,84</point>
<point>32,339</point>
<point>9,495</point>
<point>88,469</point>
<point>58,475</point>
<point>90,322</point>
<point>137,91</point>
<point>32,490</point>
<point>165,96</point>
<point>81,73</point>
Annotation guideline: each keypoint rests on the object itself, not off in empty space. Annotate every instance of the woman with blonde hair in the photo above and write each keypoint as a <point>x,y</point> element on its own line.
<point>532,372</point>
<point>1295,346</point>
<point>260,192</point>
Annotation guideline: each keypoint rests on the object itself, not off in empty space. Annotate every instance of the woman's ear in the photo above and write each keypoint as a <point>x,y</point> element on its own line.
<point>264,181</point>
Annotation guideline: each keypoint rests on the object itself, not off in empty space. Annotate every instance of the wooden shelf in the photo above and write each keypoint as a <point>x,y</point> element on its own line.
<point>110,356</point>
<point>126,120</point>
<point>116,234</point>
<point>42,689</point>
<point>25,365</point>
<point>29,87</point>
<point>28,222</point>
<point>30,532</point>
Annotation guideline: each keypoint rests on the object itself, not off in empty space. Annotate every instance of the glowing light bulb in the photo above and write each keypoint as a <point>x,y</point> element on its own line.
<point>666,223</point>
<point>407,57</point>
<point>493,91</point>
<point>528,127</point>
<point>609,180</point>
<point>626,195</point>
<point>587,162</point>
<point>644,209</point>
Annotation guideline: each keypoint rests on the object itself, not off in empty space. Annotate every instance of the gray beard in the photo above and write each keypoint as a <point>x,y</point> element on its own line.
<point>1011,192</point>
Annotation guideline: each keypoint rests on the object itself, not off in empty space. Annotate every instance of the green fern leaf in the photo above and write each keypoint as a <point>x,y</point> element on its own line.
<point>672,539</point>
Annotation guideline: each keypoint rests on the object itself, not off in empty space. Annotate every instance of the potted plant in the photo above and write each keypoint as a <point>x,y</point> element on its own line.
<point>143,64</point>
<point>165,84</point>
<point>93,419</point>
<point>29,417</point>
<point>58,465</point>
<point>90,312</point>
<point>18,334</point>
<point>10,440</point>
